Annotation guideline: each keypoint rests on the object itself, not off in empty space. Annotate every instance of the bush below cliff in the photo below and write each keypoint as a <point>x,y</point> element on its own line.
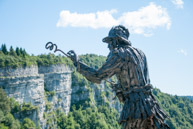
<point>8,107</point>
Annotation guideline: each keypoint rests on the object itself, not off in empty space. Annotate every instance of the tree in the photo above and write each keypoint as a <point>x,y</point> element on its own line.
<point>2,126</point>
<point>25,53</point>
<point>9,120</point>
<point>70,123</point>
<point>12,52</point>
<point>4,49</point>
<point>15,125</point>
<point>61,120</point>
<point>18,51</point>
<point>1,116</point>
<point>4,102</point>
<point>28,124</point>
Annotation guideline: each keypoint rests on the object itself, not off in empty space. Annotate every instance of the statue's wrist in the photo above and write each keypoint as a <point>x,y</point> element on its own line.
<point>77,65</point>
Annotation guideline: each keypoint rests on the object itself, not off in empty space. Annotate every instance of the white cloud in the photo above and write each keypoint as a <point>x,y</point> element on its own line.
<point>142,21</point>
<point>178,3</point>
<point>183,52</point>
<point>93,20</point>
<point>146,18</point>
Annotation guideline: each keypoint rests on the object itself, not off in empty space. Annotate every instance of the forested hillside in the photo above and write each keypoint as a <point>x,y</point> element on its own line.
<point>180,109</point>
<point>87,114</point>
<point>8,107</point>
<point>20,58</point>
<point>189,97</point>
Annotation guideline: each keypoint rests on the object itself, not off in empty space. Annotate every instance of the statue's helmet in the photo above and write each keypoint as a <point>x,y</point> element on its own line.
<point>118,32</point>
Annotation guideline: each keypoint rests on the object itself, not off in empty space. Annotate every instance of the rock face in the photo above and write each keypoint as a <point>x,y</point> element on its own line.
<point>50,86</point>
<point>57,80</point>
<point>28,85</point>
<point>25,85</point>
<point>79,94</point>
<point>98,94</point>
<point>103,94</point>
<point>11,72</point>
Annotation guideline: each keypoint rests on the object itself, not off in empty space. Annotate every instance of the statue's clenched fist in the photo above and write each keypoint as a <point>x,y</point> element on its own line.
<point>73,56</point>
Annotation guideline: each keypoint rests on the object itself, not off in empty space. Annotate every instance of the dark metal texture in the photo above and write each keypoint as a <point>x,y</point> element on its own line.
<point>129,65</point>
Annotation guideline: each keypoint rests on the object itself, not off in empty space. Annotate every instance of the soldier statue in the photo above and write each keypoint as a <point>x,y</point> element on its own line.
<point>129,65</point>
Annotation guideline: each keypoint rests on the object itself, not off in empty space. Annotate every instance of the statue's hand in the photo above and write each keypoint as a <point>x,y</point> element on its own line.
<point>73,57</point>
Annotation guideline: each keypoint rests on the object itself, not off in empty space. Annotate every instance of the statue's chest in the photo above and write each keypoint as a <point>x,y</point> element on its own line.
<point>129,75</point>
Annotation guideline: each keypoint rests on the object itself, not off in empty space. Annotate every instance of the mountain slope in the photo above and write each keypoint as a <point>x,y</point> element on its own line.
<point>93,105</point>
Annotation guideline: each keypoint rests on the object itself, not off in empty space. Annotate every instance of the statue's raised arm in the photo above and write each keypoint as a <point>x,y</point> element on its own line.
<point>108,69</point>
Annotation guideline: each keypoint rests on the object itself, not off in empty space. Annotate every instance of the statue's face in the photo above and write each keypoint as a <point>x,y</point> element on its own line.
<point>112,44</point>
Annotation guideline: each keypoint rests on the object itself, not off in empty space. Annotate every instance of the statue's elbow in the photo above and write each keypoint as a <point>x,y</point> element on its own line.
<point>94,79</point>
<point>98,81</point>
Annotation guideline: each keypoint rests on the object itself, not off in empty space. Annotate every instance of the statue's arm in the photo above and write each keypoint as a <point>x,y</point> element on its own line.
<point>112,64</point>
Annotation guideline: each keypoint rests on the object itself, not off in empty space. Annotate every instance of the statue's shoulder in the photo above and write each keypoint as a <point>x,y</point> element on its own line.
<point>141,53</point>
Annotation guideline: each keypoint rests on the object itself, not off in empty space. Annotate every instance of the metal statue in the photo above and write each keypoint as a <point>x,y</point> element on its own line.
<point>129,64</point>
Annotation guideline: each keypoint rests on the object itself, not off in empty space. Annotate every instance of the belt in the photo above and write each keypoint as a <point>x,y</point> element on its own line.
<point>123,94</point>
<point>145,89</point>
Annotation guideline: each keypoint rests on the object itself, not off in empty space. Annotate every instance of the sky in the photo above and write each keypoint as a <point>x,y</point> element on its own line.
<point>162,29</point>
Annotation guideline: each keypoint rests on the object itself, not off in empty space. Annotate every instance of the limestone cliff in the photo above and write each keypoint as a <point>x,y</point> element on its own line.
<point>57,80</point>
<point>25,85</point>
<point>28,85</point>
<point>50,88</point>
<point>98,94</point>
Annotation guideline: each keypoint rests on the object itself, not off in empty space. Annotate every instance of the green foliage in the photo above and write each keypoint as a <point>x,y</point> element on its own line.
<point>189,97</point>
<point>52,93</point>
<point>6,118</point>
<point>49,93</point>
<point>50,59</point>
<point>4,49</point>
<point>2,126</point>
<point>51,120</point>
<point>87,114</point>
<point>20,58</point>
<point>180,110</point>
<point>27,107</point>
<point>28,124</point>
<point>48,106</point>
<point>93,60</point>
<point>4,102</point>
<point>8,106</point>
<point>12,52</point>
<point>78,80</point>
<point>89,118</point>
<point>15,106</point>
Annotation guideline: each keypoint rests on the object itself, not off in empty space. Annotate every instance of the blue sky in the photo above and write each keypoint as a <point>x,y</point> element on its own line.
<point>161,28</point>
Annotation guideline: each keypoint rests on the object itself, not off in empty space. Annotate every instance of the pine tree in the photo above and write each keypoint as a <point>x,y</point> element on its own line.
<point>25,53</point>
<point>4,49</point>
<point>12,52</point>
<point>21,51</point>
<point>18,51</point>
